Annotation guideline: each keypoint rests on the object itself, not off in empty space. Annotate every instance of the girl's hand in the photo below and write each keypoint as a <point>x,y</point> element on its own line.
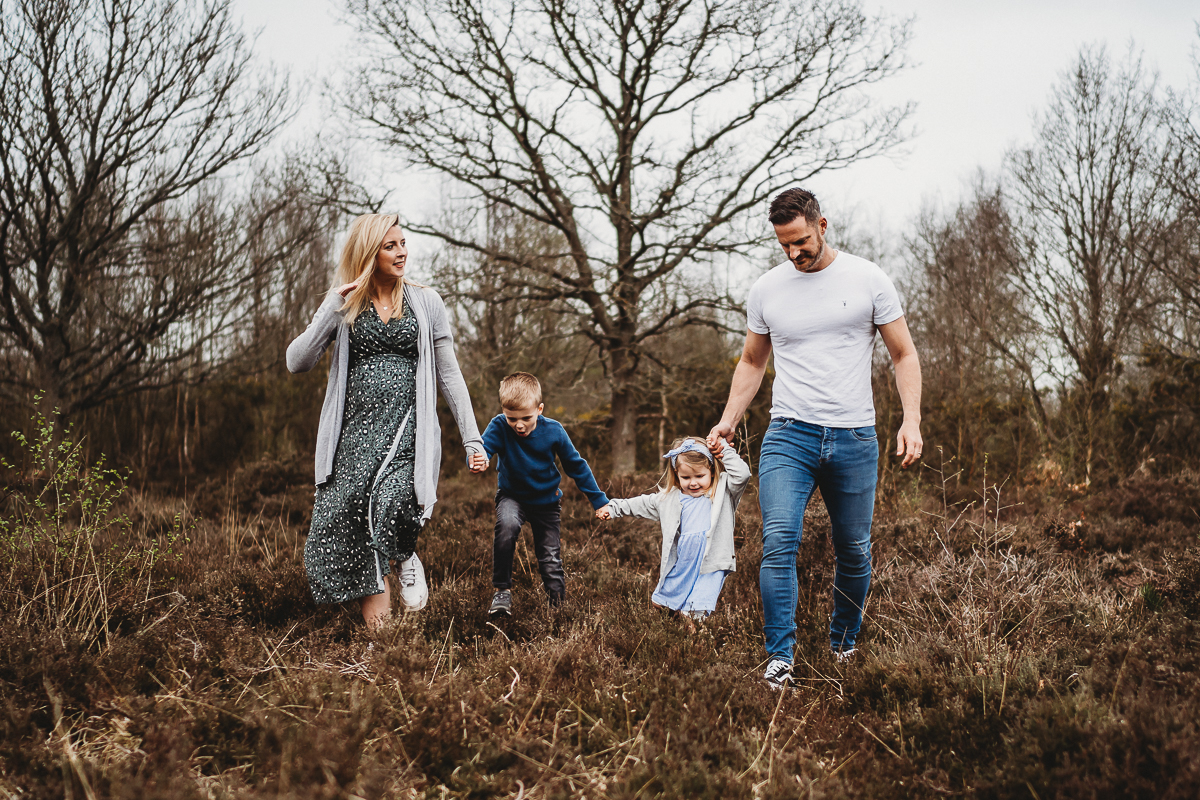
<point>478,462</point>
<point>347,288</point>
<point>604,512</point>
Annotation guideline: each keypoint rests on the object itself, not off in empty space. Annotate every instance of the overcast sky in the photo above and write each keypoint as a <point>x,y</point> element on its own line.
<point>980,70</point>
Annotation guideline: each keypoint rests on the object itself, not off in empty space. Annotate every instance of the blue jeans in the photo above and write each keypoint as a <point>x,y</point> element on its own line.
<point>842,462</point>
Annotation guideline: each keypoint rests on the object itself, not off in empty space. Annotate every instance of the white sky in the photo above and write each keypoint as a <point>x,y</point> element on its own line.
<point>980,70</point>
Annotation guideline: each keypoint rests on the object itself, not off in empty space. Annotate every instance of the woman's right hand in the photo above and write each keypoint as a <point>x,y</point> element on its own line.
<point>604,512</point>
<point>347,288</point>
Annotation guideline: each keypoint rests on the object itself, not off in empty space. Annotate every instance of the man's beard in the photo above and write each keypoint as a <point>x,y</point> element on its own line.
<point>808,264</point>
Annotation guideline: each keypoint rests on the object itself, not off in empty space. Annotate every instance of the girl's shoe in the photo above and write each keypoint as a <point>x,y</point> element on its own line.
<point>414,592</point>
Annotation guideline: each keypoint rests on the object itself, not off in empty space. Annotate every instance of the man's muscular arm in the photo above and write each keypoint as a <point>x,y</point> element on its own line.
<point>908,381</point>
<point>746,380</point>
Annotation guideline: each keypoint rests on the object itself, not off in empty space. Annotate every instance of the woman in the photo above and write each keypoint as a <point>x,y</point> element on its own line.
<point>378,443</point>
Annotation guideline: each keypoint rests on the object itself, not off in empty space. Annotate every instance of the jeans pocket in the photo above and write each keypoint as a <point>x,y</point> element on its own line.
<point>866,434</point>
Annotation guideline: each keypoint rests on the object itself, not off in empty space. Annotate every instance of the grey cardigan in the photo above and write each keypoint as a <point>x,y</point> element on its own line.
<point>436,367</point>
<point>667,508</point>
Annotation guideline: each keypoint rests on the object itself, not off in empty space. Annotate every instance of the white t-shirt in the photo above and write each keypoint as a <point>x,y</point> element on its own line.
<point>822,329</point>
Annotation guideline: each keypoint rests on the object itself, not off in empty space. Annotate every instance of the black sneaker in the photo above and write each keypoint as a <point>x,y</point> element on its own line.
<point>778,674</point>
<point>501,604</point>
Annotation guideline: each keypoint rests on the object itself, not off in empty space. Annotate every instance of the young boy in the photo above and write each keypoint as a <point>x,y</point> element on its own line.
<point>526,443</point>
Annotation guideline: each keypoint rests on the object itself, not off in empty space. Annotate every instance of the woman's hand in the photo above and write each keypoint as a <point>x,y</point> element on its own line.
<point>604,512</point>
<point>478,462</point>
<point>347,288</point>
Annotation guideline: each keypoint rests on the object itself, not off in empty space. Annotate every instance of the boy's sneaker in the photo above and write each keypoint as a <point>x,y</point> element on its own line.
<point>778,674</point>
<point>501,604</point>
<point>843,656</point>
<point>414,592</point>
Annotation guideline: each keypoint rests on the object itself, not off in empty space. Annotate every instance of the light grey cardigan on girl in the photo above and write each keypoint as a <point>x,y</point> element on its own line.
<point>667,508</point>
<point>436,367</point>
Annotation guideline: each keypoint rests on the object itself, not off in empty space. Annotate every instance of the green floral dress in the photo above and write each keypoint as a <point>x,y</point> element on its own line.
<point>366,513</point>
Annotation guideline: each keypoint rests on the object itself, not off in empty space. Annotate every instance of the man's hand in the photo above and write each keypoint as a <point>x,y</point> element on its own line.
<point>909,443</point>
<point>478,462</point>
<point>722,430</point>
<point>604,512</point>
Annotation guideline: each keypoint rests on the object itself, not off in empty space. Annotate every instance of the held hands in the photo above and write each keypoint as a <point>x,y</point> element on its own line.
<point>604,512</point>
<point>909,443</point>
<point>478,462</point>
<point>722,430</point>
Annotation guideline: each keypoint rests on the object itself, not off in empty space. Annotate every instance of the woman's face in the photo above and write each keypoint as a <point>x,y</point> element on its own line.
<point>389,264</point>
<point>694,479</point>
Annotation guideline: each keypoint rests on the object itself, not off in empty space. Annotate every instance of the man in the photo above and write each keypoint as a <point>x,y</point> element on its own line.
<point>818,312</point>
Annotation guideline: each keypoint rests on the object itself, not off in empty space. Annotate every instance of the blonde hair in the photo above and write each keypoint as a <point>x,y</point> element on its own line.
<point>358,264</point>
<point>670,477</point>
<point>520,390</point>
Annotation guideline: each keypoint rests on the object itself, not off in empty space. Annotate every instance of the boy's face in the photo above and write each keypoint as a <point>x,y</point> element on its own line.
<point>523,420</point>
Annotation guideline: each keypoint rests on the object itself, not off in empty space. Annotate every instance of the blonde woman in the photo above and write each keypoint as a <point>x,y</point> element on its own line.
<point>378,441</point>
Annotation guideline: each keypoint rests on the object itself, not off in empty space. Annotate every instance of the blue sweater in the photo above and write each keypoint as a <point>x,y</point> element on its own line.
<point>526,467</point>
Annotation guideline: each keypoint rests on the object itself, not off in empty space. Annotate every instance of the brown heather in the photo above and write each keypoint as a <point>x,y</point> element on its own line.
<point>1005,654</point>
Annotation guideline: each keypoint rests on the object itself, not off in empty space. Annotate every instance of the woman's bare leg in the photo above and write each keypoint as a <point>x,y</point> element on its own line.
<point>377,608</point>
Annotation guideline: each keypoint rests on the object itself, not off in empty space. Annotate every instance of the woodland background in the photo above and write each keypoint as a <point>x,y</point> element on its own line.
<point>1033,630</point>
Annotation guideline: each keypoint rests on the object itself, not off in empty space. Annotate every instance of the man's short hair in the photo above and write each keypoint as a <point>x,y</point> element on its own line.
<point>790,204</point>
<point>520,390</point>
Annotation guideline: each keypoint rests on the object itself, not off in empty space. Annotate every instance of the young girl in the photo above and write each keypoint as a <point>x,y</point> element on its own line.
<point>695,507</point>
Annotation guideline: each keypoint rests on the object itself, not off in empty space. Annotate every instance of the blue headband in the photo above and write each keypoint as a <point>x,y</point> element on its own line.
<point>689,446</point>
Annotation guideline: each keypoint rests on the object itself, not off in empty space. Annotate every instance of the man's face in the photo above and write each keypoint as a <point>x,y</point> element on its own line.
<point>523,420</point>
<point>803,243</point>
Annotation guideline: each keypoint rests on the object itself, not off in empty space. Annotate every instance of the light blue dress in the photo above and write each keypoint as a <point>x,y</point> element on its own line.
<point>683,588</point>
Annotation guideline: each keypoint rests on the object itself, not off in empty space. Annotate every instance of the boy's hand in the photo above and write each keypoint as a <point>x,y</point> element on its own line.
<point>604,512</point>
<point>478,462</point>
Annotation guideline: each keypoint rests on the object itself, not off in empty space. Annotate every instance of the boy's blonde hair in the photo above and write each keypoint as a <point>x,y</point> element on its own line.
<point>520,390</point>
<point>670,478</point>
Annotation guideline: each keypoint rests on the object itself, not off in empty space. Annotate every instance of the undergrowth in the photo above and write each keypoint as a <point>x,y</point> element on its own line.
<point>996,661</point>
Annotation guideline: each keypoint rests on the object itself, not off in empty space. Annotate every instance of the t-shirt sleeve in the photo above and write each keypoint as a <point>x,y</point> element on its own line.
<point>754,310</point>
<point>885,298</point>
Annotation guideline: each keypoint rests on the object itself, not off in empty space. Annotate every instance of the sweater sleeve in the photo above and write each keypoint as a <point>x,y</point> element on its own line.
<point>645,506</point>
<point>578,470</point>
<point>737,470</point>
<point>306,350</point>
<point>449,376</point>
<point>493,438</point>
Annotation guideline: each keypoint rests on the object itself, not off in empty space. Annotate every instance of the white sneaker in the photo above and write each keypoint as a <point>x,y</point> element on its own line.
<point>842,656</point>
<point>778,674</point>
<point>414,592</point>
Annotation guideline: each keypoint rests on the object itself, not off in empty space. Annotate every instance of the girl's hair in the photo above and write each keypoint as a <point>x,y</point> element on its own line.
<point>670,478</point>
<point>358,261</point>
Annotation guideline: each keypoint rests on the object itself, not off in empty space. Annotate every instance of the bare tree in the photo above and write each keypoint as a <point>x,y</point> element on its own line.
<point>1181,114</point>
<point>1090,193</point>
<point>979,352</point>
<point>131,249</point>
<point>643,134</point>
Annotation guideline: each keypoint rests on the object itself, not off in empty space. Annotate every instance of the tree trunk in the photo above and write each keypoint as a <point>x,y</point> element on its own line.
<point>624,429</point>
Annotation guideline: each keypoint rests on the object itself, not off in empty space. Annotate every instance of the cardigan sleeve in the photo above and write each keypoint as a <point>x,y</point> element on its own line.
<point>645,506</point>
<point>737,470</point>
<point>449,376</point>
<point>306,350</point>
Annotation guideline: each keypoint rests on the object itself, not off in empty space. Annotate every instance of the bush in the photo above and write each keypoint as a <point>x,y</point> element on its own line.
<point>73,562</point>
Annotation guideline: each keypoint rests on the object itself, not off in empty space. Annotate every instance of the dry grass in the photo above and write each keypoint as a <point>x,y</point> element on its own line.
<point>995,663</point>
